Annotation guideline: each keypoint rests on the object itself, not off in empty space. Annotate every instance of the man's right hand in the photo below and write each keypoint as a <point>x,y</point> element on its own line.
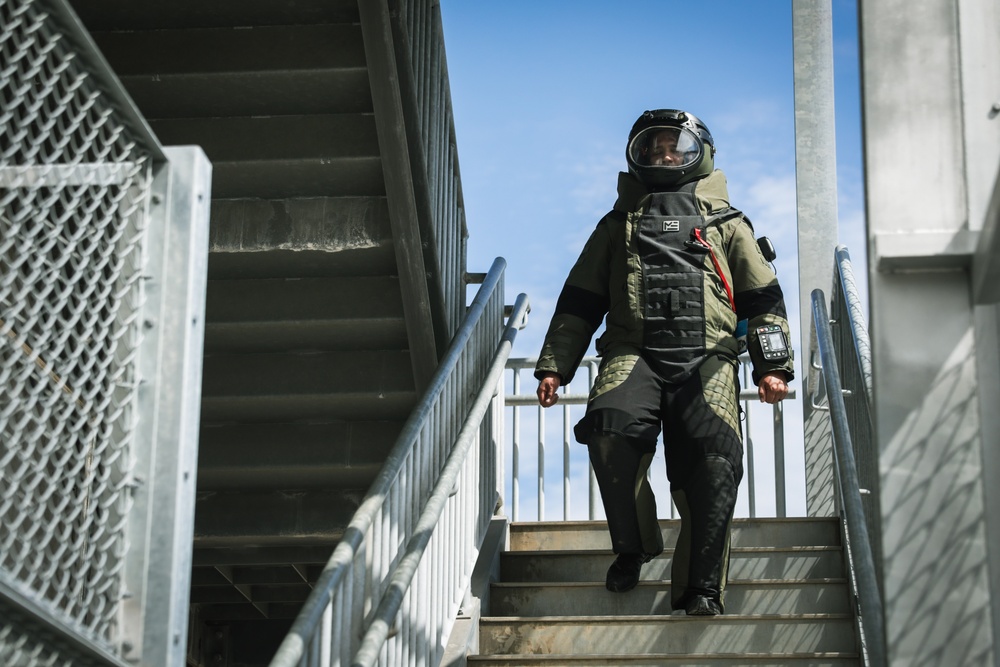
<point>548,389</point>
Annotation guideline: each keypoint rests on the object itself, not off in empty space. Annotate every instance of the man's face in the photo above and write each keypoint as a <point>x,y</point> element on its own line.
<point>662,150</point>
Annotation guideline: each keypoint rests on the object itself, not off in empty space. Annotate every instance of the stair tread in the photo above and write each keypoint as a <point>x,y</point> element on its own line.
<point>593,534</point>
<point>666,582</point>
<point>828,659</point>
<point>549,525</point>
<point>660,659</point>
<point>554,657</point>
<point>660,618</point>
<point>667,551</point>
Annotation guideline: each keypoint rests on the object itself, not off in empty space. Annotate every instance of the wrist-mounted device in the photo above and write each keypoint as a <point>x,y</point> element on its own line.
<point>772,342</point>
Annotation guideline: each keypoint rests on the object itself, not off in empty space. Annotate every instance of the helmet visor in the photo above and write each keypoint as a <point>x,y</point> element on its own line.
<point>670,147</point>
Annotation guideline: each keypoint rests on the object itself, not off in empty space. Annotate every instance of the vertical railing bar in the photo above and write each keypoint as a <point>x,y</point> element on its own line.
<point>501,446</point>
<point>779,460</point>
<point>566,457</point>
<point>515,472</point>
<point>337,623</point>
<point>517,400</point>
<point>593,490</point>
<point>326,634</point>
<point>751,477</point>
<point>541,465</point>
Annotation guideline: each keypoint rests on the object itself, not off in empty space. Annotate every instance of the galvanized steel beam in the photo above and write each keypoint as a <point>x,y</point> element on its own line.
<point>816,201</point>
<point>403,215</point>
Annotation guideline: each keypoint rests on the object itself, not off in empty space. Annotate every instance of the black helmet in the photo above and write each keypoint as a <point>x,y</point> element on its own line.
<point>668,147</point>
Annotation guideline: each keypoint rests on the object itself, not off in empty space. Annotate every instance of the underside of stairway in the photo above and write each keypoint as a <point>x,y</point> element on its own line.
<point>788,602</point>
<point>311,366</point>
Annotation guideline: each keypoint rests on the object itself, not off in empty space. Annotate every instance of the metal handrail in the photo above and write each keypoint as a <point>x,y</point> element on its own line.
<point>375,532</point>
<point>858,545</point>
<point>851,294</point>
<point>571,397</point>
<point>389,606</point>
<point>854,355</point>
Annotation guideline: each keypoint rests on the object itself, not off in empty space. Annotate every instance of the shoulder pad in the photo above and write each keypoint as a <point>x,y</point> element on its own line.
<point>612,216</point>
<point>727,214</point>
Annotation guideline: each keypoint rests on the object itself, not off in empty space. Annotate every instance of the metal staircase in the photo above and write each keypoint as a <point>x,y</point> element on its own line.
<point>318,337</point>
<point>336,281</point>
<point>788,602</point>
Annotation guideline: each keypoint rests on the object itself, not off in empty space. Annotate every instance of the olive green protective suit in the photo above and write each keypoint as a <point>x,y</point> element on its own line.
<point>672,272</point>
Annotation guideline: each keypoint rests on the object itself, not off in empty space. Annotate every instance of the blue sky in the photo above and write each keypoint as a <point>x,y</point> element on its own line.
<point>545,91</point>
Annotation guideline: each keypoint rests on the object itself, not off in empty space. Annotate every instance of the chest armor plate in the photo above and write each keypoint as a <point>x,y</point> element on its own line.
<point>673,262</point>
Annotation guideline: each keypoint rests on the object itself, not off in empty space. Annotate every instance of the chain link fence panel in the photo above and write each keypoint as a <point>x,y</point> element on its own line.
<point>74,188</point>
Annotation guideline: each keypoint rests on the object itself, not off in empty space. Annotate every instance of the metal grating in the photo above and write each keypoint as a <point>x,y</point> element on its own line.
<point>73,192</point>
<point>31,646</point>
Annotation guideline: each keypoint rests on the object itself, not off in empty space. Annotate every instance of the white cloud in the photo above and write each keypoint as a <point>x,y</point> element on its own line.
<point>747,117</point>
<point>770,199</point>
<point>595,186</point>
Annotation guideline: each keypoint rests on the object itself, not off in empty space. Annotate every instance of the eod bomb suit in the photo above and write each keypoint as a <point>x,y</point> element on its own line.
<point>672,268</point>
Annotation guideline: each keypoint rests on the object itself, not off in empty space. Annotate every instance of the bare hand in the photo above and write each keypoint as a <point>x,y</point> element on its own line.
<point>548,389</point>
<point>772,387</point>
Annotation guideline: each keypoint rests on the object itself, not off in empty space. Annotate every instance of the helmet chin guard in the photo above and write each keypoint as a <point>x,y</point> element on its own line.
<point>669,147</point>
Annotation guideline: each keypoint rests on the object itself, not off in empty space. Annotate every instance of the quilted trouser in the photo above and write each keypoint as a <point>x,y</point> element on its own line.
<point>700,422</point>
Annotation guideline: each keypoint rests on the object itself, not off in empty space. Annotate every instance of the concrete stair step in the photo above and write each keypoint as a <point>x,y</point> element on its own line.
<point>821,596</point>
<point>260,613</point>
<point>100,15</point>
<point>330,313</point>
<point>232,49</point>
<point>252,555</point>
<point>745,563</point>
<point>258,552</point>
<point>218,573</point>
<point>286,518</point>
<point>321,386</point>
<point>266,93</point>
<point>288,575</point>
<point>288,262</point>
<point>329,155</point>
<point>787,601</point>
<point>226,593</point>
<point>672,635</point>
<point>326,137</point>
<point>245,71</point>
<point>802,659</point>
<point>593,535</point>
<point>290,455</point>
<point>311,237</point>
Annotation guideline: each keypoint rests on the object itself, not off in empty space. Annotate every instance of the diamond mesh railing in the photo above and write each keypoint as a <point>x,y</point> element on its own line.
<point>75,183</point>
<point>72,189</point>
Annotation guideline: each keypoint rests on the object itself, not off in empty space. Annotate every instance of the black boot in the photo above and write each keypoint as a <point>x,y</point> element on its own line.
<point>701,605</point>
<point>623,575</point>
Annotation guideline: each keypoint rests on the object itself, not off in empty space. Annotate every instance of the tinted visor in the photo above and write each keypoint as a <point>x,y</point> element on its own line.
<point>671,147</point>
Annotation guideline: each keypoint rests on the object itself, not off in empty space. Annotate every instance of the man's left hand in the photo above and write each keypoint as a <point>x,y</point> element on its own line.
<point>772,387</point>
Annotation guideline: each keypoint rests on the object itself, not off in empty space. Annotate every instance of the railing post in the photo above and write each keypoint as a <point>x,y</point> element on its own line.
<point>541,464</point>
<point>816,203</point>
<point>573,454</point>
<point>859,548</point>
<point>779,461</point>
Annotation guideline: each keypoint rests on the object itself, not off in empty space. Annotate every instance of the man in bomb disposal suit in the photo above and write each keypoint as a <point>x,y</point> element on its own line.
<point>674,268</point>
